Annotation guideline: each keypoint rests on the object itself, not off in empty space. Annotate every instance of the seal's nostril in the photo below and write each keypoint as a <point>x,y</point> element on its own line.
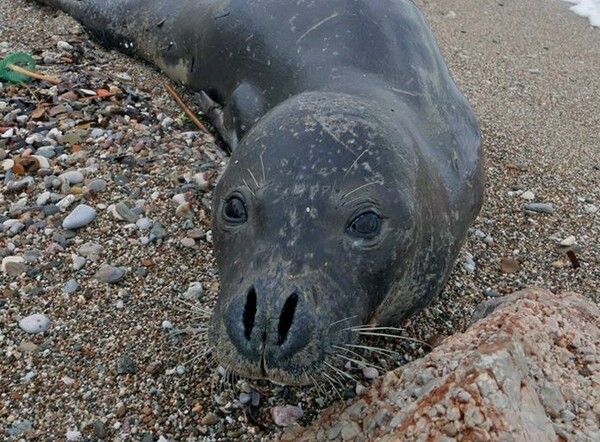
<point>249,313</point>
<point>287,317</point>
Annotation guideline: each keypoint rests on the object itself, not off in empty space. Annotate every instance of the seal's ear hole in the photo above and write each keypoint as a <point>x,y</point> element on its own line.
<point>234,210</point>
<point>366,225</point>
<point>287,317</point>
<point>249,313</point>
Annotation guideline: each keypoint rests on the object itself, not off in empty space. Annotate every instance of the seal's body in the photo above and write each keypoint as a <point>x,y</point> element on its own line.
<point>356,166</point>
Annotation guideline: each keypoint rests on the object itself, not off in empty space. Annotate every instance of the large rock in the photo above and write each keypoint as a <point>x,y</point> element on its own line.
<point>530,371</point>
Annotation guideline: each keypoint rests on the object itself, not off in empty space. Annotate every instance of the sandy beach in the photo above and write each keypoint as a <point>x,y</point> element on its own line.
<point>108,367</point>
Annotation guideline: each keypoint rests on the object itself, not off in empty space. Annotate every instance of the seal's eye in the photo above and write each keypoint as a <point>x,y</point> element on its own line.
<point>366,225</point>
<point>234,210</point>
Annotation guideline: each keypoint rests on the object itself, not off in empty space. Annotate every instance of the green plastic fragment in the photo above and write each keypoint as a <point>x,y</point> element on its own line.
<point>20,59</point>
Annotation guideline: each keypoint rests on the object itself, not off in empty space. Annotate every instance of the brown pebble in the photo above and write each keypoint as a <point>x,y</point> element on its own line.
<point>147,410</point>
<point>509,265</point>
<point>210,419</point>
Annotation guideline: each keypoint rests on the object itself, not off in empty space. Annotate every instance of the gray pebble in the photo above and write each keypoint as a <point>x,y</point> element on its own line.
<point>540,208</point>
<point>72,177</point>
<point>194,291</point>
<point>492,293</point>
<point>370,372</point>
<point>125,212</point>
<point>78,262</point>
<point>16,228</point>
<point>99,429</point>
<point>245,398</point>
<point>79,217</point>
<point>144,223</point>
<point>110,274</point>
<point>70,287</point>
<point>125,365</point>
<point>36,323</point>
<point>97,132</point>
<point>19,427</point>
<point>50,210</point>
<point>97,185</point>
<point>16,186</point>
<point>43,198</point>
<point>157,232</point>
<point>64,46</point>
<point>46,152</point>
<point>90,249</point>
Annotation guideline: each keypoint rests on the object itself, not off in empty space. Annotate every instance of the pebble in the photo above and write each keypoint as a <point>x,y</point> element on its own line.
<point>370,373</point>
<point>568,241</point>
<point>73,435</point>
<point>188,242</point>
<point>72,177</point>
<point>97,185</point>
<point>194,291</point>
<point>110,274</point>
<point>529,196</point>
<point>28,347</point>
<point>125,212</point>
<point>509,265</point>
<point>590,208</point>
<point>12,264</point>
<point>43,198</point>
<point>90,250</point>
<point>245,398</point>
<point>99,429</point>
<point>492,293</point>
<point>540,208</point>
<point>284,416</point>
<point>78,262</point>
<point>64,46</point>
<point>19,427</point>
<point>157,231</point>
<point>469,263</point>
<point>144,223</point>
<point>210,419</point>
<point>36,323</point>
<point>167,325</point>
<point>70,287</point>
<point>125,365</point>
<point>80,216</point>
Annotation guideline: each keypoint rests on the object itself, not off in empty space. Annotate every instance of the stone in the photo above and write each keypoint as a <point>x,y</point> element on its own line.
<point>514,372</point>
<point>36,323</point>
<point>81,216</point>
<point>540,208</point>
<point>528,195</point>
<point>568,241</point>
<point>72,177</point>
<point>284,416</point>
<point>110,274</point>
<point>210,419</point>
<point>509,265</point>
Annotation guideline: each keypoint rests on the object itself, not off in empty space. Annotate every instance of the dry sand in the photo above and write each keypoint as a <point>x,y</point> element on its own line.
<point>532,71</point>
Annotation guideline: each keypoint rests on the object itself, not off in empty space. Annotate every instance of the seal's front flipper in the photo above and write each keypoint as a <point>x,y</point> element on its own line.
<point>214,111</point>
<point>245,107</point>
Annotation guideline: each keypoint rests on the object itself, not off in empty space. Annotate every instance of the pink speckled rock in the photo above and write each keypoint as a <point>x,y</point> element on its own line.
<point>528,371</point>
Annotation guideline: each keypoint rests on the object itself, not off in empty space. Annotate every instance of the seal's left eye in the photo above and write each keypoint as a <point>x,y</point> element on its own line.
<point>234,210</point>
<point>366,225</point>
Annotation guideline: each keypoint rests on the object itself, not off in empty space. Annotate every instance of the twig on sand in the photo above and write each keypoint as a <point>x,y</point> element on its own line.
<point>186,109</point>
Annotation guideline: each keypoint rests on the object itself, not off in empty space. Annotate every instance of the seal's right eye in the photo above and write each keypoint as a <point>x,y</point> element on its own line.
<point>234,210</point>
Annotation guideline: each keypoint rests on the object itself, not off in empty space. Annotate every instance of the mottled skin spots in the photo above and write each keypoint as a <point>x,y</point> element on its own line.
<point>356,166</point>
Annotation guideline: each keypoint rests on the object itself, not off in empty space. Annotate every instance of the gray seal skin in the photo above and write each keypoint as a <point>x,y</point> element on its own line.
<point>356,167</point>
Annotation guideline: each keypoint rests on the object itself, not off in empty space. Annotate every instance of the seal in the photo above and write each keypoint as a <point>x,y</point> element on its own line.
<point>356,164</point>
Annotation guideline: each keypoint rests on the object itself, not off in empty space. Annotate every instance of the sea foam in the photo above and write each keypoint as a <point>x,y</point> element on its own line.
<point>587,8</point>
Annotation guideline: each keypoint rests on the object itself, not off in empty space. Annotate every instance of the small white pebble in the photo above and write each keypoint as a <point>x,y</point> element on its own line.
<point>167,325</point>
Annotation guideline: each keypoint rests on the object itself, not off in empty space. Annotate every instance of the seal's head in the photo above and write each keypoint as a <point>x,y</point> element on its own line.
<point>315,224</point>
